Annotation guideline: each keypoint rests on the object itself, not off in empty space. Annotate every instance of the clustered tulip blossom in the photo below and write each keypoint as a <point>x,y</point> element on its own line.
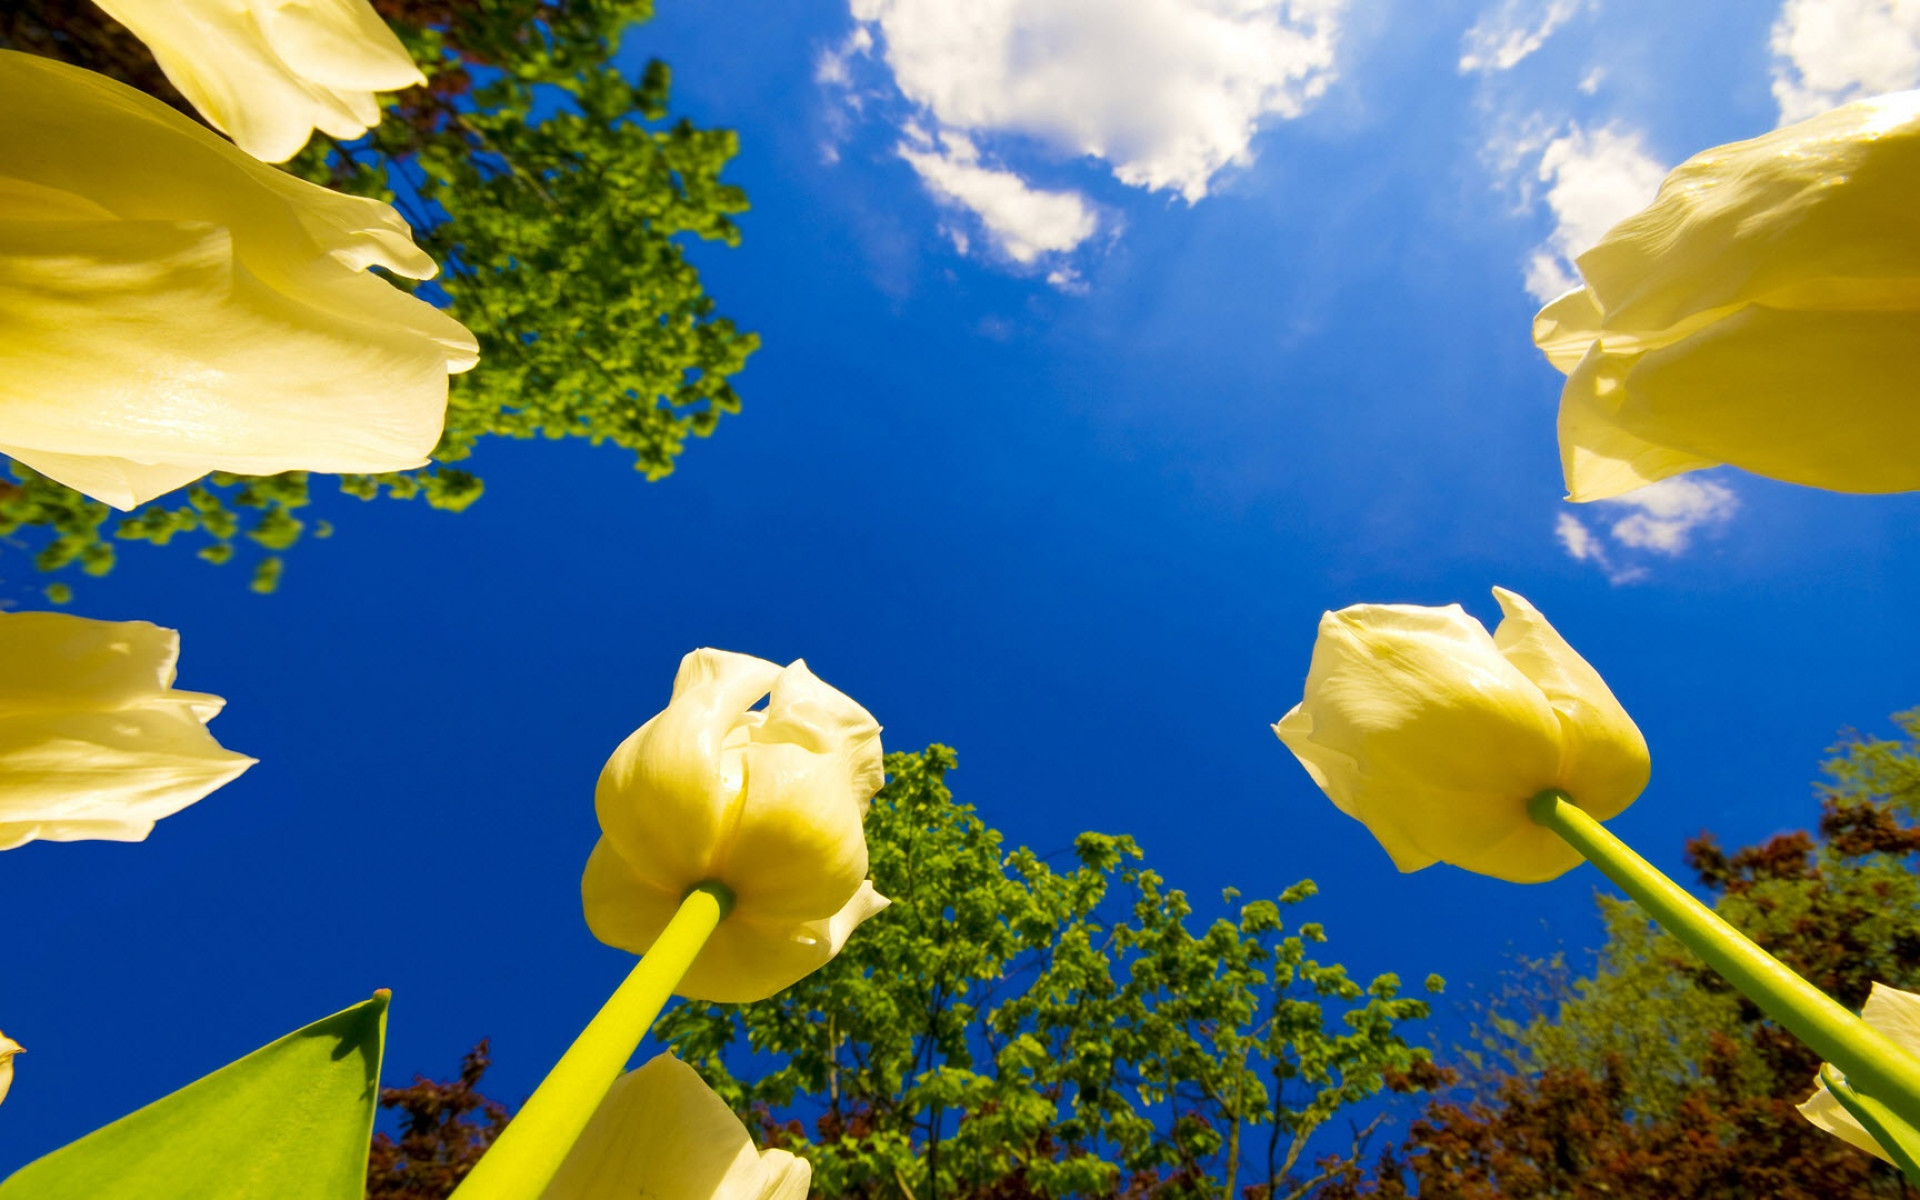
<point>170,306</point>
<point>8,1048</point>
<point>766,802</point>
<point>1764,311</point>
<point>95,741</point>
<point>662,1133</point>
<point>269,72</point>
<point>1894,1013</point>
<point>1435,734</point>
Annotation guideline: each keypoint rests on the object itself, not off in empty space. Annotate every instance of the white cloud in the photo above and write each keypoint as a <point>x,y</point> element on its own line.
<point>1661,518</point>
<point>1827,52</point>
<point>1023,222</point>
<point>1166,92</point>
<point>1506,35</point>
<point>1666,514</point>
<point>1593,179</point>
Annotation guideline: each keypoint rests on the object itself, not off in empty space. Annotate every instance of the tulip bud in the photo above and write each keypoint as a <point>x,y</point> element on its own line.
<point>1897,1015</point>
<point>767,803</point>
<point>1761,312</point>
<point>170,306</point>
<point>8,1048</point>
<point>94,740</point>
<point>662,1133</point>
<point>1435,735</point>
<point>267,73</point>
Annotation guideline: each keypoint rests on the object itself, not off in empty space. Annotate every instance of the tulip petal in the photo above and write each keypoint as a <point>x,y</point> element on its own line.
<point>9,1048</point>
<point>170,307</point>
<point>270,72</point>
<point>95,743</point>
<point>1604,765</point>
<point>623,908</point>
<point>797,851</point>
<point>1599,457</point>
<point>143,301</point>
<point>824,720</point>
<point>340,44</point>
<point>1889,1011</point>
<point>1779,219</point>
<point>748,960</point>
<point>1446,739</point>
<point>1565,328</point>
<point>1819,398</point>
<point>662,1133</point>
<point>672,794</point>
<point>54,662</point>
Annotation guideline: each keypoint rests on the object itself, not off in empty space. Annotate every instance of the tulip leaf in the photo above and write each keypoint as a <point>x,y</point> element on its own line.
<point>291,1121</point>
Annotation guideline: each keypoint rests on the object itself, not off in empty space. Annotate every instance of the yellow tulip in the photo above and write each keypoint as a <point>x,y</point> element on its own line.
<point>269,72</point>
<point>1435,735</point>
<point>8,1048</point>
<point>95,742</point>
<point>766,802</point>
<point>1761,312</point>
<point>1897,1015</point>
<point>170,306</point>
<point>662,1133</point>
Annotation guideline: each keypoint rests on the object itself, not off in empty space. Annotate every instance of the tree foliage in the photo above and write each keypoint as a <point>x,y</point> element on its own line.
<point>1652,1078</point>
<point>1012,1028</point>
<point>559,198</point>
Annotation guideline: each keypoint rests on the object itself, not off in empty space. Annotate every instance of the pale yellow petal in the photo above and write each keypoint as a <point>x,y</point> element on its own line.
<point>1819,211</point>
<point>95,743</point>
<point>622,908</point>
<point>9,1048</point>
<point>339,44</point>
<point>1825,399</point>
<point>671,795</point>
<point>1566,328</point>
<point>660,1133</point>
<point>785,1176</point>
<point>747,961</point>
<point>1604,763</point>
<point>270,72</point>
<point>1896,1014</point>
<point>808,713</point>
<point>57,662</point>
<point>118,482</point>
<point>1338,775</point>
<point>1445,740</point>
<point>98,316</point>
<point>107,775</point>
<point>168,306</point>
<point>1598,455</point>
<point>1829,1114</point>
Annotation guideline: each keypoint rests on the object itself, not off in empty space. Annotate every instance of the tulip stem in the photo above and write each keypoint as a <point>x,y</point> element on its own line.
<point>1873,1065</point>
<point>529,1151</point>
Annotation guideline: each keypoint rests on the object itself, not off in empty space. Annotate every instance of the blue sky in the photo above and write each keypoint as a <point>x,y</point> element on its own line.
<point>1051,466</point>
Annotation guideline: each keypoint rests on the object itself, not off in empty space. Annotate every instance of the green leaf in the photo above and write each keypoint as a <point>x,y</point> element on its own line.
<point>291,1121</point>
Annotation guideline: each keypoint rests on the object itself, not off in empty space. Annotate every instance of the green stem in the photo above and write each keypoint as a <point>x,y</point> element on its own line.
<point>1895,1137</point>
<point>1873,1064</point>
<point>530,1150</point>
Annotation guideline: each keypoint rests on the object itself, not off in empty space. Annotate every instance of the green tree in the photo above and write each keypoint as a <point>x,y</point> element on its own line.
<point>1012,1028</point>
<point>559,198</point>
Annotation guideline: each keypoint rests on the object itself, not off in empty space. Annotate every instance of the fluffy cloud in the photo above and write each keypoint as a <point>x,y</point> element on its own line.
<point>1827,52</point>
<point>1510,32</point>
<point>1023,222</point>
<point>1661,519</point>
<point>1165,94</point>
<point>1592,179</point>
